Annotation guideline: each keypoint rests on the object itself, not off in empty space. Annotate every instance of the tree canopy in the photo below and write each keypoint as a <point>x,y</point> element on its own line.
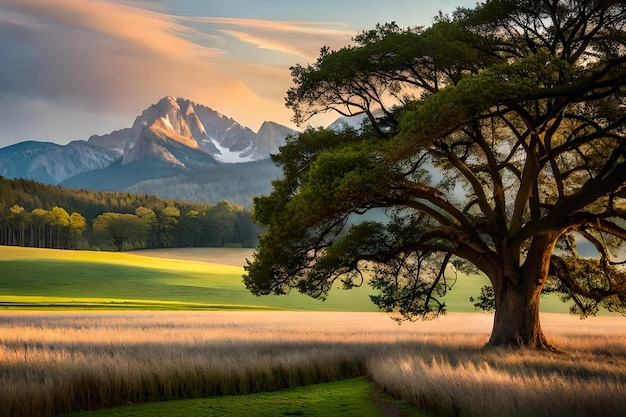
<point>494,141</point>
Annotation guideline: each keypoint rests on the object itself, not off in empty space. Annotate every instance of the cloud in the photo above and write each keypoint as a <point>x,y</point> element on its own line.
<point>263,42</point>
<point>302,39</point>
<point>89,51</point>
<point>85,57</point>
<point>151,31</point>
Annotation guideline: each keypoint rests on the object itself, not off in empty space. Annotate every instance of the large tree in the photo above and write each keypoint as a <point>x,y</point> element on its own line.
<point>495,143</point>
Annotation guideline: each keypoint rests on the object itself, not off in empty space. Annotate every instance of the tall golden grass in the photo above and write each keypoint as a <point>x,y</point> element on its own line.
<point>454,376</point>
<point>55,363</point>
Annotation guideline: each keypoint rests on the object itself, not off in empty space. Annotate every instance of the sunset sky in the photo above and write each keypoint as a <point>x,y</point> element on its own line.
<point>72,68</point>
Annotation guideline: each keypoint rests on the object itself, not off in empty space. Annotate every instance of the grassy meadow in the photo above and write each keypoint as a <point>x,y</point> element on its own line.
<point>180,279</point>
<point>64,362</point>
<point>84,331</point>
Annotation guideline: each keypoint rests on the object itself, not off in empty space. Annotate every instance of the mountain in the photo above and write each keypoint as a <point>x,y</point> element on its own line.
<point>342,123</point>
<point>175,148</point>
<point>164,132</point>
<point>180,123</point>
<point>236,182</point>
<point>51,163</point>
<point>353,122</point>
<point>115,140</point>
<point>270,137</point>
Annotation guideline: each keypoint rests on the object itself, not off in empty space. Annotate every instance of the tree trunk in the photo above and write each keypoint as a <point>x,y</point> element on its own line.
<point>516,320</point>
<point>517,293</point>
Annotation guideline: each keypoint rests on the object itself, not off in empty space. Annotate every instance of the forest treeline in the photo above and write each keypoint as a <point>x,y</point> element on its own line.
<point>38,215</point>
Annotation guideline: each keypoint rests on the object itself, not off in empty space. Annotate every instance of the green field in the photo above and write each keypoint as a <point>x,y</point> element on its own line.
<point>181,279</point>
<point>351,397</point>
<point>82,279</point>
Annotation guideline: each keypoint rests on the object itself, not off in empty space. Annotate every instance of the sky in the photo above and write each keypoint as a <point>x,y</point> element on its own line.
<point>73,68</point>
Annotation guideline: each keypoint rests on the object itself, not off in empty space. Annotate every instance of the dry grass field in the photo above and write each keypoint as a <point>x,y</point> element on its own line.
<point>451,375</point>
<point>60,362</point>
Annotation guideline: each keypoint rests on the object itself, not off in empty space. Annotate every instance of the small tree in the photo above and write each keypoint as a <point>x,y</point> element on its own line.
<point>189,227</point>
<point>60,220</point>
<point>169,223</point>
<point>221,221</point>
<point>41,219</point>
<point>504,148</point>
<point>121,229</point>
<point>17,218</point>
<point>149,217</point>
<point>78,224</point>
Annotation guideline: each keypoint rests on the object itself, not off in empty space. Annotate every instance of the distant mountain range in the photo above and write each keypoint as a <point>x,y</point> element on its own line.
<point>175,149</point>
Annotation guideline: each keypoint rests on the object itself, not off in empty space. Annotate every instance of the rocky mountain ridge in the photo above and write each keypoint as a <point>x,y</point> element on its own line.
<point>174,149</point>
<point>176,132</point>
<point>51,163</point>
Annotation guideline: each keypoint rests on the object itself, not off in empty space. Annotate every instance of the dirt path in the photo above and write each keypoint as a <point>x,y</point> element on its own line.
<point>388,409</point>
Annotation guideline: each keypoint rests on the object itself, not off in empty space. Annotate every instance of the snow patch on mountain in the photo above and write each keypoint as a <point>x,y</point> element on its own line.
<point>227,156</point>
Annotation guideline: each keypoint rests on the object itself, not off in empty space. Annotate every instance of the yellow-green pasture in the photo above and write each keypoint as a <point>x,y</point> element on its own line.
<point>173,279</point>
<point>35,278</point>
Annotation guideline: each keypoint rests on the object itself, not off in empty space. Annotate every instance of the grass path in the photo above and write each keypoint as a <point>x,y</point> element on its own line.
<point>348,398</point>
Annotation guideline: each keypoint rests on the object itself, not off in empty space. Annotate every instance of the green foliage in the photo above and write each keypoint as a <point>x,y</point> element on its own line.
<point>77,224</point>
<point>122,230</point>
<point>486,301</point>
<point>588,284</point>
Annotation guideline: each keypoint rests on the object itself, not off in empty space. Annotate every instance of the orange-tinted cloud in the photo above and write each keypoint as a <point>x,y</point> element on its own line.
<point>302,39</point>
<point>134,26</point>
<point>89,57</point>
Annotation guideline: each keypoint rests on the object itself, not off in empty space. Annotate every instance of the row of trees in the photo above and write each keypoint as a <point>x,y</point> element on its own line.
<point>42,228</point>
<point>115,220</point>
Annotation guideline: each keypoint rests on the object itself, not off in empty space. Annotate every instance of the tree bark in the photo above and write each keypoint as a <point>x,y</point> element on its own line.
<point>516,320</point>
<point>518,292</point>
